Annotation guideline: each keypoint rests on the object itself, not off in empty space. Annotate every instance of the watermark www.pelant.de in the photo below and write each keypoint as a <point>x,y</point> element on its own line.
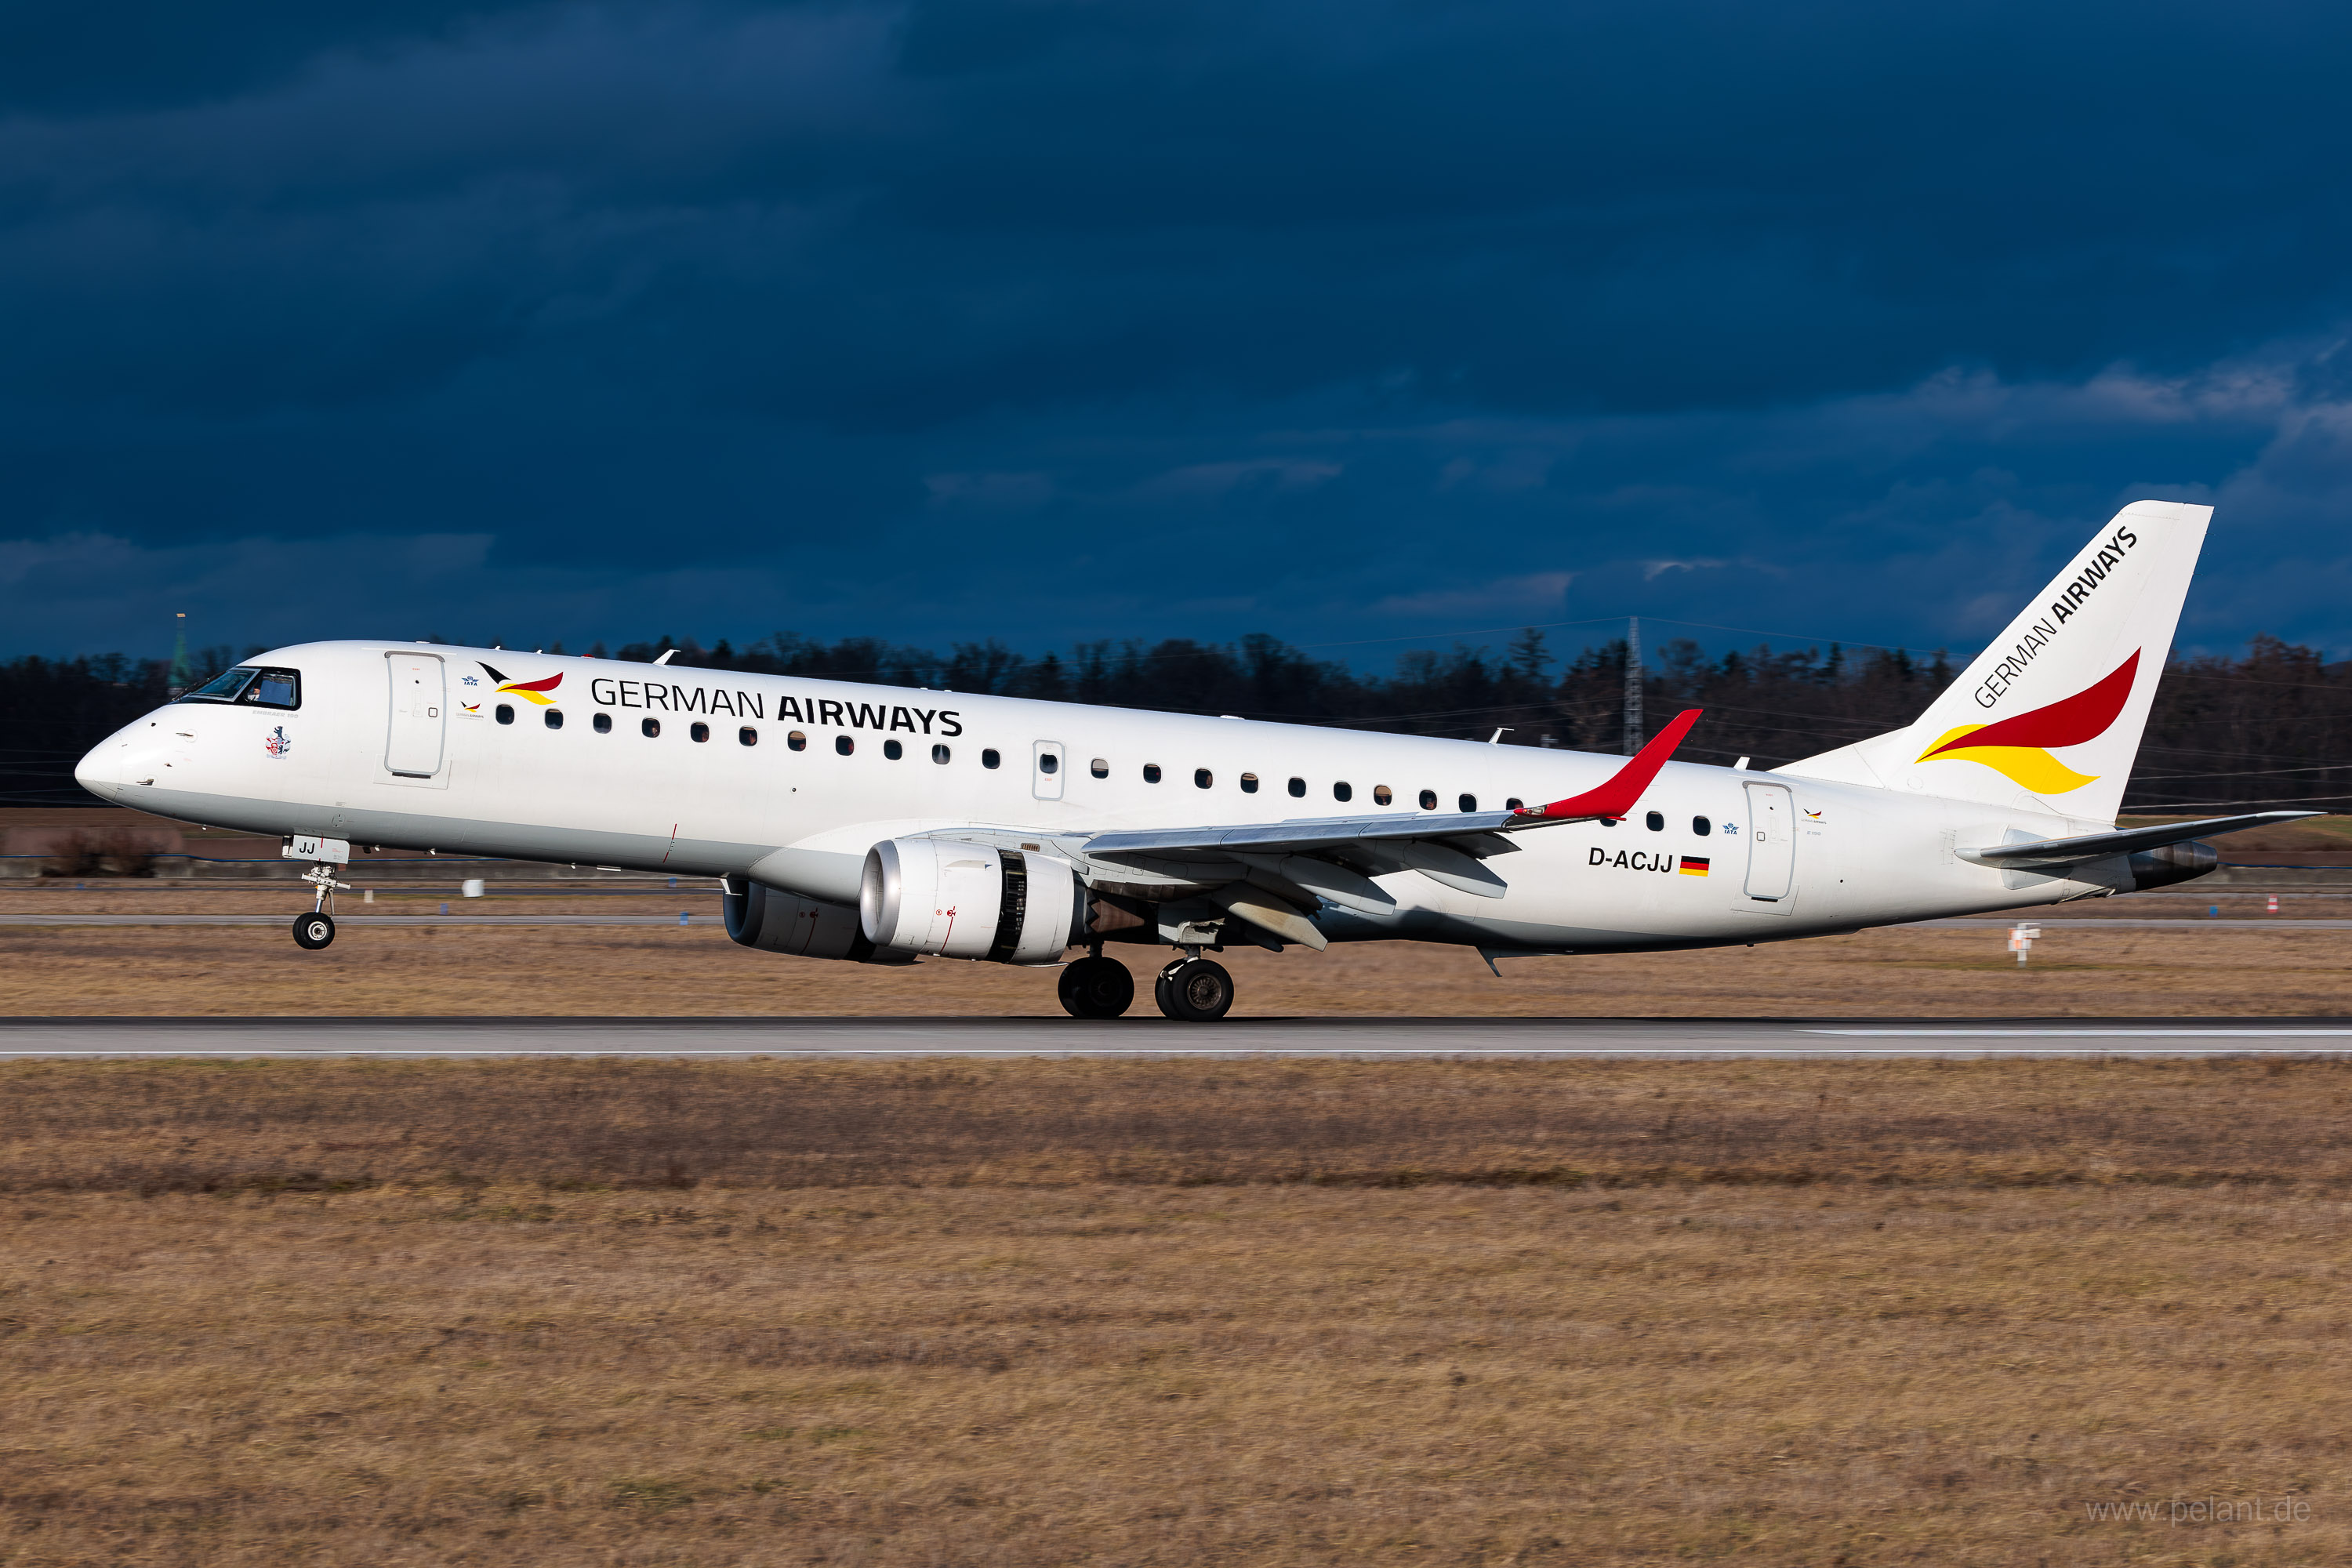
<point>2180,1510</point>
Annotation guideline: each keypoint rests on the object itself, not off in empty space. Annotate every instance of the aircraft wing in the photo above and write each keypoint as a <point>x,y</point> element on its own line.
<point>1308,836</point>
<point>1333,859</point>
<point>2051,853</point>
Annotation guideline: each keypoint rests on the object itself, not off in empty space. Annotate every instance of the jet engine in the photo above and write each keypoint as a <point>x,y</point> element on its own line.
<point>2171,863</point>
<point>774,922</point>
<point>967,901</point>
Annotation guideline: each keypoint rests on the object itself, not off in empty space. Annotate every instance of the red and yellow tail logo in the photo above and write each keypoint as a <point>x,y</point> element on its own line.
<point>2019,748</point>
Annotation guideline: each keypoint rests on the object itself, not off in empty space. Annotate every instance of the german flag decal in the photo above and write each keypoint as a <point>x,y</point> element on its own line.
<point>1694,866</point>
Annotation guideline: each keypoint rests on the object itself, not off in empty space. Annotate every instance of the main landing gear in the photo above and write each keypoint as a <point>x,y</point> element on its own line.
<point>317,928</point>
<point>1192,989</point>
<point>1096,987</point>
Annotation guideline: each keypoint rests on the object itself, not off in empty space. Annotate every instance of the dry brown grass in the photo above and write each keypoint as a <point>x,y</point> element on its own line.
<point>1169,1312</point>
<point>670,972</point>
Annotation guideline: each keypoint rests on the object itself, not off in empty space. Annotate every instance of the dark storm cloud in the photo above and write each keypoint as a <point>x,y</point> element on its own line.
<point>1049,321</point>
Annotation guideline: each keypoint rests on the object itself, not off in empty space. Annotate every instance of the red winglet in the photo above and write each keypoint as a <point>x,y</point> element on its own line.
<point>1618,797</point>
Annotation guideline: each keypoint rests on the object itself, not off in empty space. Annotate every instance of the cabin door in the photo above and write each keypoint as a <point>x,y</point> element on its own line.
<point>1772,842</point>
<point>419,714</point>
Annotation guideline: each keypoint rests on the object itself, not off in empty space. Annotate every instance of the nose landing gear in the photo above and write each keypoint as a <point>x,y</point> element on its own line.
<point>317,928</point>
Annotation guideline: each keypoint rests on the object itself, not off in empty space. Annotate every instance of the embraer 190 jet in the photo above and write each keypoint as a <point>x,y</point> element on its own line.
<point>874,824</point>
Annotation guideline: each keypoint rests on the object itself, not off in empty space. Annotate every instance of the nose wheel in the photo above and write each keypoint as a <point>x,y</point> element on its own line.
<point>317,928</point>
<point>1194,990</point>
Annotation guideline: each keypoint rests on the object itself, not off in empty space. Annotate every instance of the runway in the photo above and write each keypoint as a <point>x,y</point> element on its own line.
<point>357,921</point>
<point>1148,1038</point>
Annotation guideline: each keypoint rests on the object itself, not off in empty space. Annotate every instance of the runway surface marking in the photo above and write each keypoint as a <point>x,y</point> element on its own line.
<point>1148,1038</point>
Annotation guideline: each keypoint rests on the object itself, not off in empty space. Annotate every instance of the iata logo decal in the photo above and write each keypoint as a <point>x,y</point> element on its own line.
<point>2019,748</point>
<point>529,690</point>
<point>276,743</point>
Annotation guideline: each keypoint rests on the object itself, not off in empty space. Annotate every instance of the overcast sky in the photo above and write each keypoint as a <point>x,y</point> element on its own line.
<point>1052,322</point>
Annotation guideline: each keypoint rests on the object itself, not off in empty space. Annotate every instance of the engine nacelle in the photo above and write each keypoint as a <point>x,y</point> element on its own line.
<point>2172,863</point>
<point>967,901</point>
<point>775,921</point>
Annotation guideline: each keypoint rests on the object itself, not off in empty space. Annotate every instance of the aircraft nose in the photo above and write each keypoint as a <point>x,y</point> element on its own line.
<point>99,771</point>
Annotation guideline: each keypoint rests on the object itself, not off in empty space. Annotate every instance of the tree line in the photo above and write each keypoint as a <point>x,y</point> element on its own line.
<point>2266,727</point>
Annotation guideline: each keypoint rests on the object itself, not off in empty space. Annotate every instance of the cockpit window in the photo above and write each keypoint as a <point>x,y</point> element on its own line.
<point>252,687</point>
<point>222,688</point>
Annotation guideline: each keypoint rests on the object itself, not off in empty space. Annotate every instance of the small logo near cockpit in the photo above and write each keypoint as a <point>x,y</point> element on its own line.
<point>276,742</point>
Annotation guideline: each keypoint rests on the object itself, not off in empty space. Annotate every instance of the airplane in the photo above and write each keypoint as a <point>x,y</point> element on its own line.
<point>876,825</point>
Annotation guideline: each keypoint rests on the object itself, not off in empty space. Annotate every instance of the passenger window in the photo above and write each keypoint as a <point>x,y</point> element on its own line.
<point>844,744</point>
<point>1343,792</point>
<point>1702,826</point>
<point>1203,778</point>
<point>603,723</point>
<point>1655,822</point>
<point>747,736</point>
<point>796,742</point>
<point>648,728</point>
<point>1382,794</point>
<point>892,750</point>
<point>988,759</point>
<point>1048,762</point>
<point>1429,800</point>
<point>699,730</point>
<point>1298,789</point>
<point>1514,803</point>
<point>1151,773</point>
<point>506,714</point>
<point>1099,767</point>
<point>1468,803</point>
<point>941,755</point>
<point>554,718</point>
<point>1610,820</point>
<point>1249,783</point>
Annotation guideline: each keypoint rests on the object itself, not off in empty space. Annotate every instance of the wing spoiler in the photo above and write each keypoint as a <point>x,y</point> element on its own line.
<point>2056,852</point>
<point>1613,799</point>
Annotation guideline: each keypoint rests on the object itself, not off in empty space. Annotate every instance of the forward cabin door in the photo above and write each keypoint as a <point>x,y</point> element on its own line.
<point>1045,770</point>
<point>1772,842</point>
<point>419,714</point>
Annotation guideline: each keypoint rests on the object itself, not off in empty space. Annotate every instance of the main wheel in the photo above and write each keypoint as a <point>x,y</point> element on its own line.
<point>314,930</point>
<point>1196,991</point>
<point>1096,988</point>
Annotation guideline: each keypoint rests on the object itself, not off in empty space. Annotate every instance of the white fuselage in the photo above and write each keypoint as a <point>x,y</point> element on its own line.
<point>1785,857</point>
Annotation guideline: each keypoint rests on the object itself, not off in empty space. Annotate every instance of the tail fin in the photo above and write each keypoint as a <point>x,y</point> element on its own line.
<point>2048,717</point>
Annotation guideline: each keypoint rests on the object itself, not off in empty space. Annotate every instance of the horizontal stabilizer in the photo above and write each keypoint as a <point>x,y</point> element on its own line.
<point>2052,852</point>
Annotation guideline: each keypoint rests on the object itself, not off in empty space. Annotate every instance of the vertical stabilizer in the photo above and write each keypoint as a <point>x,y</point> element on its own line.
<point>2048,717</point>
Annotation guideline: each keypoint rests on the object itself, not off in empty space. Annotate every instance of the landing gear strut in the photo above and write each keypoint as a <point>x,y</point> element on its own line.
<point>317,928</point>
<point>1096,987</point>
<point>1193,989</point>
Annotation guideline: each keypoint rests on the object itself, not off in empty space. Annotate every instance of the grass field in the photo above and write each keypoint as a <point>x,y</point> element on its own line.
<point>1174,1313</point>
